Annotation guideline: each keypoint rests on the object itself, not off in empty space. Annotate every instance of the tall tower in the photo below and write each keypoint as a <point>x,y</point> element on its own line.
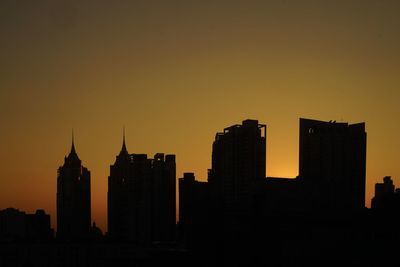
<point>73,198</point>
<point>163,193</point>
<point>332,164</point>
<point>119,197</point>
<point>238,160</point>
<point>141,197</point>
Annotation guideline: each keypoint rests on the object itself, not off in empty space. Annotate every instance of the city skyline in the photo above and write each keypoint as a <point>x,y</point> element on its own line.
<point>239,217</point>
<point>175,73</point>
<point>332,172</point>
<point>103,226</point>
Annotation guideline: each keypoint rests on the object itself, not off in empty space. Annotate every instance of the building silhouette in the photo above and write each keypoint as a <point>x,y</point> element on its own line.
<point>241,214</point>
<point>387,197</point>
<point>332,164</point>
<point>73,198</point>
<point>238,162</point>
<point>16,225</point>
<point>141,197</point>
<point>120,189</point>
<point>332,168</point>
<point>194,210</point>
<point>239,217</point>
<point>244,206</point>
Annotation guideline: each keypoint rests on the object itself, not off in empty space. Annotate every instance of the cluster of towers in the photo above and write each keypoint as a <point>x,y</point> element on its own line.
<point>142,197</point>
<point>332,163</point>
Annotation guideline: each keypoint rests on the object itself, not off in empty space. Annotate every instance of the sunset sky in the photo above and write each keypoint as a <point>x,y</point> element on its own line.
<point>176,72</point>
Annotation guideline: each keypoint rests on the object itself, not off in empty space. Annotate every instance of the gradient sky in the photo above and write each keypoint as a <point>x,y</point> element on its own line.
<point>176,72</point>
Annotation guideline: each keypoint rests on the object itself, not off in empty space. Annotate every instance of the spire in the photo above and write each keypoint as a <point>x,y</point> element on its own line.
<point>73,143</point>
<point>123,149</point>
<point>73,157</point>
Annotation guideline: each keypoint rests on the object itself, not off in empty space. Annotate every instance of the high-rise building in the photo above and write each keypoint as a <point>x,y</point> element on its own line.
<point>332,164</point>
<point>73,198</point>
<point>238,161</point>
<point>141,197</point>
<point>163,197</point>
<point>193,209</point>
<point>120,190</point>
<point>193,197</point>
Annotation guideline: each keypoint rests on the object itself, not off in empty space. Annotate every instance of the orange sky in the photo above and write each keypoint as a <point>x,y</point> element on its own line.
<point>176,72</point>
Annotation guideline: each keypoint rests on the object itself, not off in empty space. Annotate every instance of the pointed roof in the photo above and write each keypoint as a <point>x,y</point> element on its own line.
<point>123,155</point>
<point>72,154</point>
<point>123,149</point>
<point>73,151</point>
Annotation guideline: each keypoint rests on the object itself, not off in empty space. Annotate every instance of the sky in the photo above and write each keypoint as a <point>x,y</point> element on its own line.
<point>176,72</point>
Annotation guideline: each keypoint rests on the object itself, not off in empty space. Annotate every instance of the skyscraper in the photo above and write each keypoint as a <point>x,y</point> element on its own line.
<point>141,197</point>
<point>332,164</point>
<point>238,160</point>
<point>119,195</point>
<point>73,198</point>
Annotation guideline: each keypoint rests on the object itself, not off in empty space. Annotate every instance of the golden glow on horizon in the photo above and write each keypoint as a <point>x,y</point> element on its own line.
<point>175,74</point>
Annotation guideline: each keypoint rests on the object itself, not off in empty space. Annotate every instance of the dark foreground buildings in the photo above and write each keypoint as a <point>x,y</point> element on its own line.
<point>240,205</point>
<point>239,217</point>
<point>331,171</point>
<point>17,225</point>
<point>141,198</point>
<point>238,162</point>
<point>332,164</point>
<point>73,199</point>
<point>387,197</point>
<point>194,211</point>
